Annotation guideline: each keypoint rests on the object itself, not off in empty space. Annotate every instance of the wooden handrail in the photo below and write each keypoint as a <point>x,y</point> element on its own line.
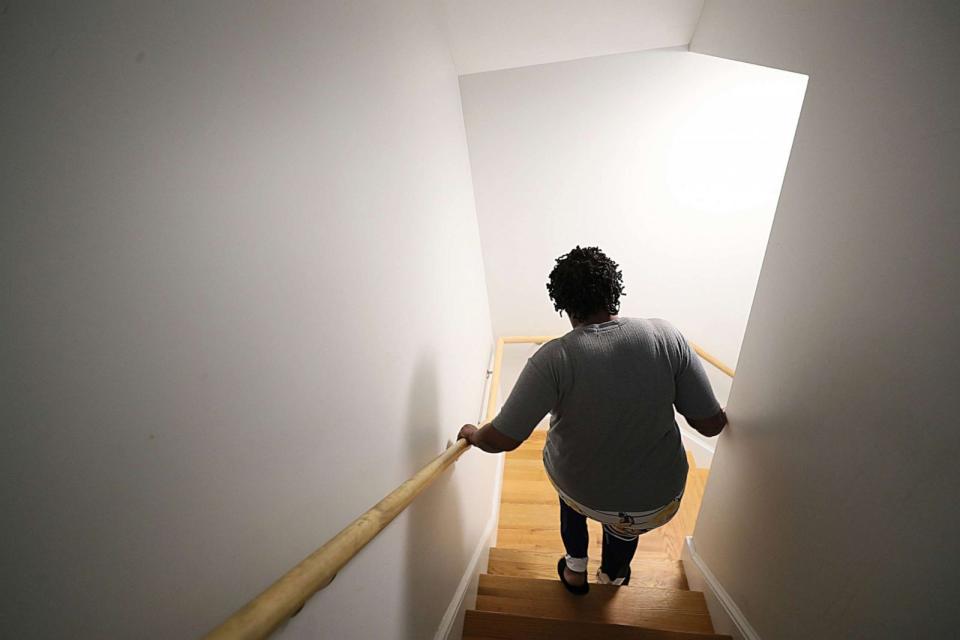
<point>527,339</point>
<point>287,595</point>
<point>712,359</point>
<point>262,615</point>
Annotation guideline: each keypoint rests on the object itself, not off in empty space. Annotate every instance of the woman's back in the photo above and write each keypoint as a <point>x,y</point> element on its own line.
<point>610,388</point>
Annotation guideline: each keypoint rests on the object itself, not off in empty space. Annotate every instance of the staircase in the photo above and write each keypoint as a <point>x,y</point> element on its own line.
<point>520,596</point>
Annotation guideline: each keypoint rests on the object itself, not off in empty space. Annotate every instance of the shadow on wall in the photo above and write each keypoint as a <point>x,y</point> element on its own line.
<point>436,555</point>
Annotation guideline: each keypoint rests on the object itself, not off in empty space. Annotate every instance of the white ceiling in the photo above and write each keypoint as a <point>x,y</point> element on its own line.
<point>500,34</point>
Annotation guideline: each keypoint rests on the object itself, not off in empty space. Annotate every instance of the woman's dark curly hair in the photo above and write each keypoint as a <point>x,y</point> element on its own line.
<point>584,282</point>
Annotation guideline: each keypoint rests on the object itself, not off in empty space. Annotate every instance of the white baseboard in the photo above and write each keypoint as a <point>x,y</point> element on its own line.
<point>702,448</point>
<point>726,615</point>
<point>451,625</point>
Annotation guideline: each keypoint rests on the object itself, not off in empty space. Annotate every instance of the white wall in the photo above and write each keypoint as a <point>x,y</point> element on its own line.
<point>830,511</point>
<point>669,161</point>
<point>243,300</point>
<point>502,34</point>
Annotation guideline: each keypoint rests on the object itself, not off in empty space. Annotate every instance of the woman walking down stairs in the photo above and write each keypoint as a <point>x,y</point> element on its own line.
<point>521,596</point>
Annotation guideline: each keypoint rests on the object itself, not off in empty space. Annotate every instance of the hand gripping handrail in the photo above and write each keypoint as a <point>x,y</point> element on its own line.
<point>262,615</point>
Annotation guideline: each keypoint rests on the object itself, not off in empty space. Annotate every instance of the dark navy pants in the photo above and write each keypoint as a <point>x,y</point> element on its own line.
<point>617,551</point>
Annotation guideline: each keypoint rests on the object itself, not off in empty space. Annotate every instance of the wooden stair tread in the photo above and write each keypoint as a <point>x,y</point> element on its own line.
<point>654,571</point>
<point>526,452</point>
<point>652,545</point>
<point>490,625</point>
<point>528,492</point>
<point>549,540</point>
<point>666,609</point>
<point>537,436</point>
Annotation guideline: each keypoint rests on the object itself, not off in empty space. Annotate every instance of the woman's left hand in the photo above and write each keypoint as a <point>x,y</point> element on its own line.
<point>467,432</point>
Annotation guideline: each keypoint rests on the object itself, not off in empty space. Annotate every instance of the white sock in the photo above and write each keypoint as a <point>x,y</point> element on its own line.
<point>603,578</point>
<point>577,565</point>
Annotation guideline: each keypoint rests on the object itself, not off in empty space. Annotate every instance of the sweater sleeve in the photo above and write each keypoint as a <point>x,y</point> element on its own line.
<point>694,396</point>
<point>534,395</point>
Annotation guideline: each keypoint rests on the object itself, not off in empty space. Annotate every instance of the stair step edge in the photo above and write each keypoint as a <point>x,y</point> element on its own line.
<point>490,625</point>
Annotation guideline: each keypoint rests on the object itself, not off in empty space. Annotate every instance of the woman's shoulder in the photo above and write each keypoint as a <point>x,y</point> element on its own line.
<point>655,326</point>
<point>658,330</point>
<point>551,351</point>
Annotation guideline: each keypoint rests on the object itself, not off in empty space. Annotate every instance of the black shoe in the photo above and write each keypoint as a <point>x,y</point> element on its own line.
<point>575,589</point>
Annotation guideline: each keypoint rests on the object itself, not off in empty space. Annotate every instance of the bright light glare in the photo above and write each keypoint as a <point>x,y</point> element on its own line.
<point>718,159</point>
